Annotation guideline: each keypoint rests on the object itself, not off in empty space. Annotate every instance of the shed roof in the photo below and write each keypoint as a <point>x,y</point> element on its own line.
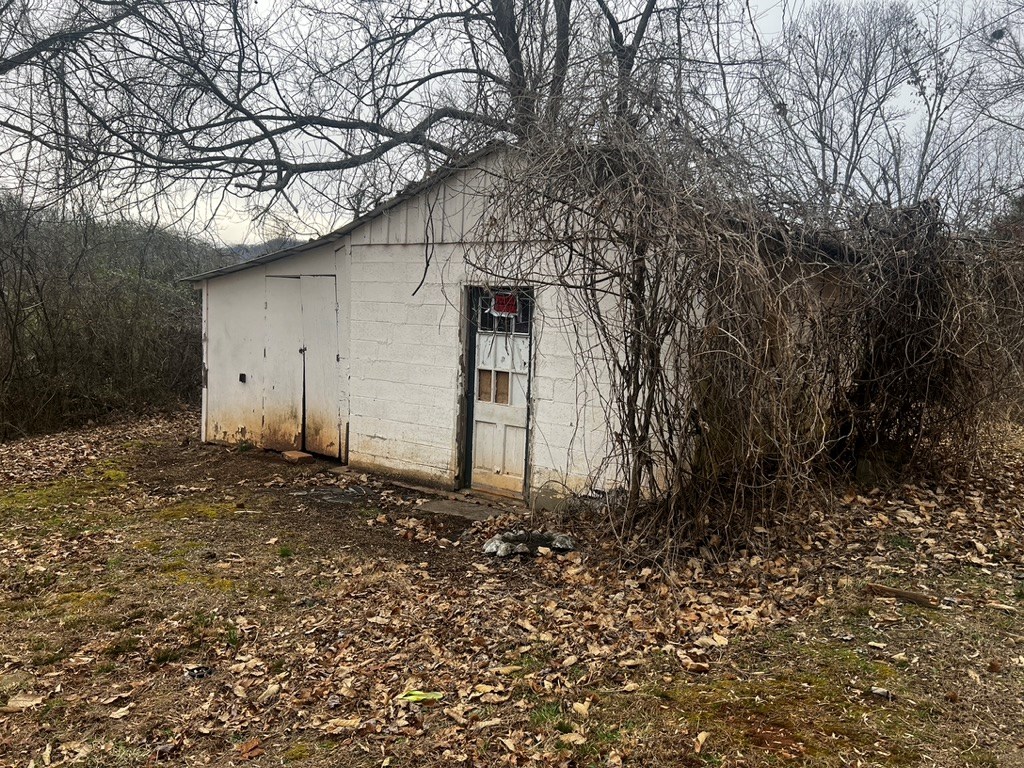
<point>414,189</point>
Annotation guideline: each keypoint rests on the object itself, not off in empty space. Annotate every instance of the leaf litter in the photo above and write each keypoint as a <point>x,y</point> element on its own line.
<point>264,616</point>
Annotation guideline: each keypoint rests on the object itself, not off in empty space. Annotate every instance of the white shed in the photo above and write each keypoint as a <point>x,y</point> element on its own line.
<point>374,346</point>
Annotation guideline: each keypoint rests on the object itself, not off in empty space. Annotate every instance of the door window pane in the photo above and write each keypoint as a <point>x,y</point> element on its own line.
<point>501,387</point>
<point>522,318</point>
<point>483,385</point>
<point>505,312</point>
<point>484,317</point>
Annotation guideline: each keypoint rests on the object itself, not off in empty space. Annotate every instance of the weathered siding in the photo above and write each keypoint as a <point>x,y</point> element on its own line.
<point>234,346</point>
<point>240,323</point>
<point>568,429</point>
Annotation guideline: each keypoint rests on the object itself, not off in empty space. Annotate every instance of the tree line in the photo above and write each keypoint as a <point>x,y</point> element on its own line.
<point>93,317</point>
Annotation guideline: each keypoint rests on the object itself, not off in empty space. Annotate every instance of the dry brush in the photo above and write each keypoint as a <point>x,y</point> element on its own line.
<point>748,358</point>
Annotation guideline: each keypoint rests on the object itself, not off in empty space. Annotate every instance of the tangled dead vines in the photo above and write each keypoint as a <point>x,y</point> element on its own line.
<point>743,359</point>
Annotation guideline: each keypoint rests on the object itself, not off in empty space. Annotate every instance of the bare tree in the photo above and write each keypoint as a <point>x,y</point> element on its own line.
<point>876,103</point>
<point>215,93</point>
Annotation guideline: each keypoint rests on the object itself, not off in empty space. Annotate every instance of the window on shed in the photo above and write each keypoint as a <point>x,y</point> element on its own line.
<point>505,312</point>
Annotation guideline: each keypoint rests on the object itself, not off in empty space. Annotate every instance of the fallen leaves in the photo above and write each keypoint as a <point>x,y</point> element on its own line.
<point>698,743</point>
<point>383,636</point>
<point>341,724</point>
<point>249,750</point>
<point>120,713</point>
<point>22,701</point>
<point>420,697</point>
<point>582,708</point>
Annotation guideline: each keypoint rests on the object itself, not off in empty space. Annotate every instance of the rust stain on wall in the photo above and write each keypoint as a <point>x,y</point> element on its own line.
<point>220,433</point>
<point>282,431</point>
<point>322,437</point>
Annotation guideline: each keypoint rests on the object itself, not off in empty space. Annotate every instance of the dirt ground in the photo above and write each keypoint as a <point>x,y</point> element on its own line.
<point>165,602</point>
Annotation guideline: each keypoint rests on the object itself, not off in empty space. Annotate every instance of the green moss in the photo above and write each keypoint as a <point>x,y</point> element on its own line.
<point>806,708</point>
<point>85,600</point>
<point>221,585</point>
<point>192,509</point>
<point>184,577</point>
<point>148,545</point>
<point>297,752</point>
<point>173,565</point>
<point>108,474</point>
<point>67,492</point>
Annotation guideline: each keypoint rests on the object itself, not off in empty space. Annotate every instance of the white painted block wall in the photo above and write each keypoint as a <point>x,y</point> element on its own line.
<point>402,353</point>
<point>406,365</point>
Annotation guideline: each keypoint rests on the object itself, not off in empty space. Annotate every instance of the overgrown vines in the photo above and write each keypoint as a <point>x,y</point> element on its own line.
<point>744,359</point>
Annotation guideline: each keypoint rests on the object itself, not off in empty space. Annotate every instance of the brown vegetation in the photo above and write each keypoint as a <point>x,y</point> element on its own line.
<point>752,357</point>
<point>92,318</point>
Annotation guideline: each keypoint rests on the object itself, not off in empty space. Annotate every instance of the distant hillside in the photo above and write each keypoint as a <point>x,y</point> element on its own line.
<point>244,252</point>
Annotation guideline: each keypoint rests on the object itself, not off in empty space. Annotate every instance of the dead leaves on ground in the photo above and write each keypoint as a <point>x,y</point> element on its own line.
<point>432,651</point>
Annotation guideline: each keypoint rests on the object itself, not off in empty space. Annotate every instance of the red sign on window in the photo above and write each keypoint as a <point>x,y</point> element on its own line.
<point>505,305</point>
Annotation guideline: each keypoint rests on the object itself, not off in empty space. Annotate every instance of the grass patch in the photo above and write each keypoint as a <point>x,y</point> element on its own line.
<point>297,752</point>
<point>60,494</point>
<point>165,655</point>
<point>549,715</point>
<point>899,541</point>
<point>192,509</point>
<point>124,644</point>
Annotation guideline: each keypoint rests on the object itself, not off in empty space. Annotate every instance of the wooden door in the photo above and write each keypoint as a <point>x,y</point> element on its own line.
<point>301,391</point>
<point>321,365</point>
<point>282,383</point>
<point>500,390</point>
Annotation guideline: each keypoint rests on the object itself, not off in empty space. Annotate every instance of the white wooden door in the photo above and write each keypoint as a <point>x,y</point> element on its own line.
<point>322,425</point>
<point>500,390</point>
<point>301,391</point>
<point>282,383</point>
